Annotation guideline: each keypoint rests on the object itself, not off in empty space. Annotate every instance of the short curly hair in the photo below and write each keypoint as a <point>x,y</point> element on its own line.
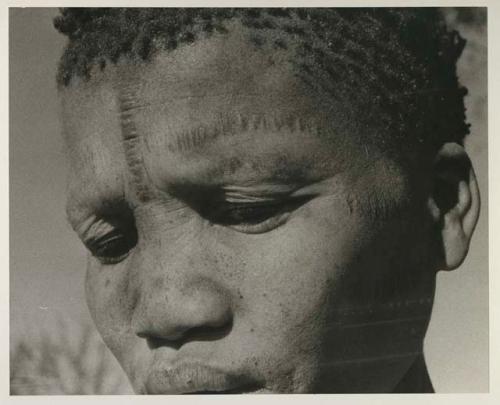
<point>400,62</point>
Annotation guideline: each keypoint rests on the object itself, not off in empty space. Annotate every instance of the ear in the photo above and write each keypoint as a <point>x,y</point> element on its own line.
<point>454,203</point>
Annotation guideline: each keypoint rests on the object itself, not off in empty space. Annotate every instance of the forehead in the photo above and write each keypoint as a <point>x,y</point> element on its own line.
<point>217,112</point>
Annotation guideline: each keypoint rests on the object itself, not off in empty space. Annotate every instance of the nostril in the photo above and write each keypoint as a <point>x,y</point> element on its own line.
<point>156,342</point>
<point>199,333</point>
<point>142,335</point>
<point>208,332</point>
<point>170,335</point>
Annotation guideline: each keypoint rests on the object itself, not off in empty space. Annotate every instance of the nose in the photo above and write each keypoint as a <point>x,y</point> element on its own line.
<point>199,311</point>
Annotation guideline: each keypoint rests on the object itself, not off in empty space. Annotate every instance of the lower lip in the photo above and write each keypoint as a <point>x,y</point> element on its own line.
<point>196,380</point>
<point>243,390</point>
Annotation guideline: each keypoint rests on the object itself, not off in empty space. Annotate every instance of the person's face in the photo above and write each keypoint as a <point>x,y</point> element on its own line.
<point>233,252</point>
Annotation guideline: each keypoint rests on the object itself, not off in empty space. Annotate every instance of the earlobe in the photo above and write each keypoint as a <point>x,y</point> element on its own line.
<point>454,203</point>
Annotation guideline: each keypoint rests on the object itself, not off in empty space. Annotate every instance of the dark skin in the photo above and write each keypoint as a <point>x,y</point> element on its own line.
<point>234,250</point>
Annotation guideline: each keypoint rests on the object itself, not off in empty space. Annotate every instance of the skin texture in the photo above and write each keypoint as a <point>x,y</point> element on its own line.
<point>256,261</point>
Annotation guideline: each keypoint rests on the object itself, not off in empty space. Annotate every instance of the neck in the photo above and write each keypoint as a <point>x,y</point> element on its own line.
<point>416,379</point>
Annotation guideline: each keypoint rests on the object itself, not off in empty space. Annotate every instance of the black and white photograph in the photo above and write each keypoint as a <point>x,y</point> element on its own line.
<point>248,200</point>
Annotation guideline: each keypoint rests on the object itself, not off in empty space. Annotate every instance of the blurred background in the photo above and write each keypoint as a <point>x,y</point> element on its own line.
<point>54,347</point>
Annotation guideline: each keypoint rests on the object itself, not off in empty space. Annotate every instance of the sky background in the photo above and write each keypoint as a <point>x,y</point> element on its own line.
<point>47,261</point>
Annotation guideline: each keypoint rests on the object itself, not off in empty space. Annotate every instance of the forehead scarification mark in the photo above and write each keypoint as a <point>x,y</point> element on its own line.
<point>233,124</point>
<point>140,183</point>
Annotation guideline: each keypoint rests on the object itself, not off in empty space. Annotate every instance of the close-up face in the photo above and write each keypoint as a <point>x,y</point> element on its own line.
<point>227,212</point>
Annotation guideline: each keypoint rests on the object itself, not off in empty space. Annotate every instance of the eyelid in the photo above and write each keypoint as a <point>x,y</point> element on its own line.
<point>106,259</point>
<point>283,208</point>
<point>96,230</point>
<point>258,193</point>
<point>109,238</point>
<point>274,192</point>
<point>264,226</point>
<point>106,237</point>
<point>112,248</point>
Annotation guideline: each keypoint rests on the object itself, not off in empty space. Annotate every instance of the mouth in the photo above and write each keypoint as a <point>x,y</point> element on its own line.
<point>197,379</point>
<point>243,390</point>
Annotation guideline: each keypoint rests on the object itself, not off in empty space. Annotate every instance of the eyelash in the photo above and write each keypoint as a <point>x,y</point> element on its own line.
<point>255,218</point>
<point>114,246</point>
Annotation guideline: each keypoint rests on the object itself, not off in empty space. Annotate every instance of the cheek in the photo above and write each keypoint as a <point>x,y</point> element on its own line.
<point>110,304</point>
<point>293,279</point>
<point>111,299</point>
<point>300,264</point>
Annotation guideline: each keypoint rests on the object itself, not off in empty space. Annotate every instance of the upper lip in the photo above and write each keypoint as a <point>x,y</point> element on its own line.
<point>195,378</point>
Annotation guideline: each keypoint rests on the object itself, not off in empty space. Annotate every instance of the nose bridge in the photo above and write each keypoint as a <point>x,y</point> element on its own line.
<point>169,240</point>
<point>178,287</point>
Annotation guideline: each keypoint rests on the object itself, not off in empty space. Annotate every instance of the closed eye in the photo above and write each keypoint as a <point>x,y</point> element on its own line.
<point>255,217</point>
<point>113,247</point>
<point>110,238</point>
